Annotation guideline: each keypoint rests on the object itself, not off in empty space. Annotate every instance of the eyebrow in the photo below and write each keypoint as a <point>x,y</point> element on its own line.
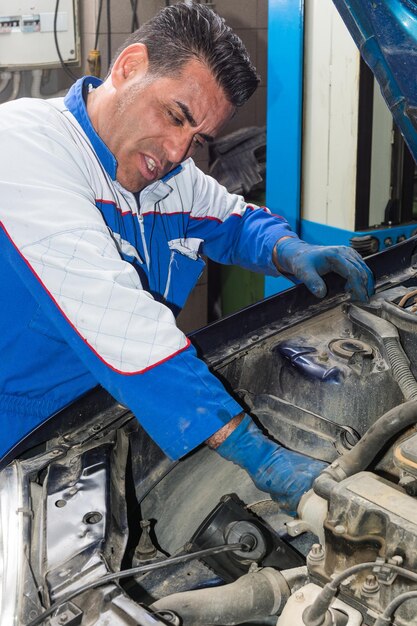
<point>190,119</point>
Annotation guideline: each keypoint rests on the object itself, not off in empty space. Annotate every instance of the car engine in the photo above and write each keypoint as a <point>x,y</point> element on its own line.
<point>98,527</point>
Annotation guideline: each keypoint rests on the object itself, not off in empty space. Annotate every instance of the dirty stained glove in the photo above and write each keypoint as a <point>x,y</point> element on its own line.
<point>284,474</point>
<point>309,262</point>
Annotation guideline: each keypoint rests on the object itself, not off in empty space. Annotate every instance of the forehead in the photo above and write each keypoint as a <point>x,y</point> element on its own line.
<point>197,89</point>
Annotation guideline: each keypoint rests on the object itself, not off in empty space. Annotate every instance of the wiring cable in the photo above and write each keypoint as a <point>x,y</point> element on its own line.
<point>385,618</point>
<point>135,22</point>
<point>100,8</point>
<point>109,54</point>
<point>317,610</point>
<point>133,571</point>
<point>58,51</point>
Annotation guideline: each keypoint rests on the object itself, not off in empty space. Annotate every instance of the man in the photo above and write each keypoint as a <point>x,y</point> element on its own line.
<point>103,220</point>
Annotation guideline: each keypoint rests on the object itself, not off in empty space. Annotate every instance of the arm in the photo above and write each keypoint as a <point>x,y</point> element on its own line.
<point>233,231</point>
<point>246,235</point>
<point>284,474</point>
<point>54,237</point>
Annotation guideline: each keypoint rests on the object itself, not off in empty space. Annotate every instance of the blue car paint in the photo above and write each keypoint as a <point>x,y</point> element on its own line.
<point>385,32</point>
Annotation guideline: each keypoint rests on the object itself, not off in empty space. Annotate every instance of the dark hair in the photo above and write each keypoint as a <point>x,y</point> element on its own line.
<point>182,32</point>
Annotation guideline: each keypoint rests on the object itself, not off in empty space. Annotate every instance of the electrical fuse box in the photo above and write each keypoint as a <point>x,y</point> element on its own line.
<point>28,29</point>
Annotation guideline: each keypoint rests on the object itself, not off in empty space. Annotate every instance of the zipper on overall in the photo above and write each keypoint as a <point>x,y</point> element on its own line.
<point>143,238</point>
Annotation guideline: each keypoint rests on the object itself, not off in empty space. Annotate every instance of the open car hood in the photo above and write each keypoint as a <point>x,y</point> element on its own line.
<point>385,32</point>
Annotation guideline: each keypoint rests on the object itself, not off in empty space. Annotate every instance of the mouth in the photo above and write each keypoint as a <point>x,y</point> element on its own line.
<point>151,168</point>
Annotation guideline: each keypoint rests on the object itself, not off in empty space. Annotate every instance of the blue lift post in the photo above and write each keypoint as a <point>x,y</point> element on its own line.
<point>284,116</point>
<point>386,33</point>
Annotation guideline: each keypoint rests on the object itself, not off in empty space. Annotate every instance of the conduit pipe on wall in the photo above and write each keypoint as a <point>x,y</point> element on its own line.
<point>5,78</point>
<point>35,90</point>
<point>17,77</point>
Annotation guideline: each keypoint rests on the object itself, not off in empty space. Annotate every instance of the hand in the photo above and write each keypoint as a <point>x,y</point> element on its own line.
<point>309,262</point>
<point>284,474</point>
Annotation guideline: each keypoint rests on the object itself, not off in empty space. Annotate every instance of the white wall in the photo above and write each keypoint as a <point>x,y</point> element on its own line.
<point>331,93</point>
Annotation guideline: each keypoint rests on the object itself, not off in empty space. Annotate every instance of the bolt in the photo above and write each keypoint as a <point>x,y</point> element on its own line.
<point>64,573</point>
<point>254,338</point>
<point>168,616</point>
<point>339,529</point>
<point>56,452</point>
<point>323,357</point>
<point>316,553</point>
<point>371,584</point>
<point>63,619</point>
<point>397,560</point>
<point>72,491</point>
<point>299,596</point>
<point>249,542</point>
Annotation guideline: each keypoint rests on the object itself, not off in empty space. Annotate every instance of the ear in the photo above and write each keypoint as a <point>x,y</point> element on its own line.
<point>131,64</point>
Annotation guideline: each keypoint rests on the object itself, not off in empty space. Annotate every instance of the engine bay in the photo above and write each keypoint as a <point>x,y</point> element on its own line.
<point>99,527</point>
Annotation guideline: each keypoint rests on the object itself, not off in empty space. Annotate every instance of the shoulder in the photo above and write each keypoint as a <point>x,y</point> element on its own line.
<point>28,111</point>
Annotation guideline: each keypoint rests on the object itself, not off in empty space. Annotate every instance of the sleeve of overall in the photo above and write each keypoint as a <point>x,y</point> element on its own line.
<point>55,238</point>
<point>234,232</point>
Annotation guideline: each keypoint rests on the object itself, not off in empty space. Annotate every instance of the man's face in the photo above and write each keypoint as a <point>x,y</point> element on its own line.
<point>158,122</point>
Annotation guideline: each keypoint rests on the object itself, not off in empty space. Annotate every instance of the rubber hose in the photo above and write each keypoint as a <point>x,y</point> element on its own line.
<point>400,369</point>
<point>386,334</point>
<point>361,455</point>
<point>251,597</point>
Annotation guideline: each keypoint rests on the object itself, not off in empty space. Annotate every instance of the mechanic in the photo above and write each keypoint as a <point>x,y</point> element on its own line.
<point>104,218</point>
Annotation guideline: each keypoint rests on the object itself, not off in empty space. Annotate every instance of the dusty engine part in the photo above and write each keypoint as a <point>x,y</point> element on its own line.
<point>252,596</point>
<point>370,518</point>
<point>312,511</point>
<point>71,508</point>
<point>231,522</point>
<point>300,429</point>
<point>388,337</point>
<point>340,613</point>
<point>405,456</point>
<point>364,452</point>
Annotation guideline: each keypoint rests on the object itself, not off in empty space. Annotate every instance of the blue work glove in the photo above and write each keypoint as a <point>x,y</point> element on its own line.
<point>284,474</point>
<point>308,263</point>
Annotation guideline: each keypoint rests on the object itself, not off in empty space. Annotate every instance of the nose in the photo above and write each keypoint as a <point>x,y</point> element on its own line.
<point>179,145</point>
